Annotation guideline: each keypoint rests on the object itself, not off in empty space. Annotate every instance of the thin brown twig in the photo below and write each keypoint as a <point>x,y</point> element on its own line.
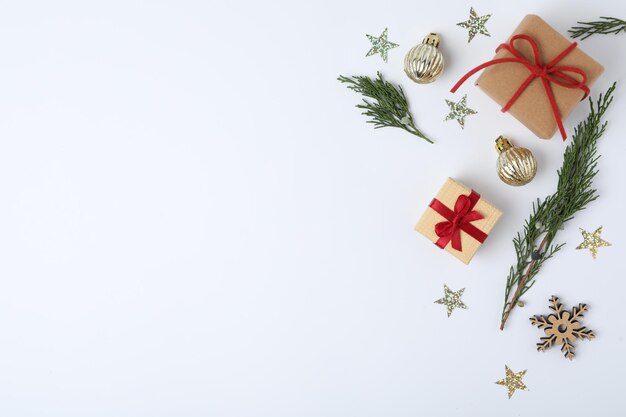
<point>520,285</point>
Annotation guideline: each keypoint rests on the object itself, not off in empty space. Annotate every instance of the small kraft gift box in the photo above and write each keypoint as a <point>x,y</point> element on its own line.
<point>458,220</point>
<point>538,76</point>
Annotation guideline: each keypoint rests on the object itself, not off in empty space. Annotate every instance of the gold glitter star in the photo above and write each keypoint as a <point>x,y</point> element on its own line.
<point>475,24</point>
<point>592,241</point>
<point>512,381</point>
<point>451,299</point>
<point>380,45</point>
<point>458,111</point>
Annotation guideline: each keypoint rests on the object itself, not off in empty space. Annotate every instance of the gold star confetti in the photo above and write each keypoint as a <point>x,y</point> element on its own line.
<point>451,299</point>
<point>475,24</point>
<point>380,45</point>
<point>513,381</point>
<point>592,241</point>
<point>458,111</point>
<point>562,327</point>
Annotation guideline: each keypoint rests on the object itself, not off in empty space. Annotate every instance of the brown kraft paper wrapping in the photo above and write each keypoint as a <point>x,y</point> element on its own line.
<point>448,195</point>
<point>533,108</point>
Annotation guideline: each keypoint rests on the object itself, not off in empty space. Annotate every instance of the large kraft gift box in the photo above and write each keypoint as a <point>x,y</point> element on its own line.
<point>458,210</point>
<point>532,107</point>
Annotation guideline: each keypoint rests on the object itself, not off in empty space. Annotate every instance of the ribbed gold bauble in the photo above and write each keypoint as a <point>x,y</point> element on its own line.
<point>516,166</point>
<point>424,62</point>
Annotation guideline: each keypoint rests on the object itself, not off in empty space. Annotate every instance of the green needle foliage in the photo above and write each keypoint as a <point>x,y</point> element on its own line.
<point>390,108</point>
<point>535,244</point>
<point>604,26</point>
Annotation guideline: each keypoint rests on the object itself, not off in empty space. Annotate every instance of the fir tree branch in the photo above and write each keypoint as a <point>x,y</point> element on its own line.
<point>604,26</point>
<point>534,245</point>
<point>390,108</point>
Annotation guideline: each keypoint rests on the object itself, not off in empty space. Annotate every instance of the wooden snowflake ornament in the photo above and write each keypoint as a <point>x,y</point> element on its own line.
<point>562,327</point>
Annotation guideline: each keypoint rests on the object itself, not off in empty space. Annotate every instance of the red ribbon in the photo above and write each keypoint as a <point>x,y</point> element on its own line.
<point>458,220</point>
<point>549,73</point>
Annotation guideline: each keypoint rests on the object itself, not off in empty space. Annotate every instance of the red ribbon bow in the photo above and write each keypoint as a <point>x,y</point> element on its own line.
<point>458,220</point>
<point>549,73</point>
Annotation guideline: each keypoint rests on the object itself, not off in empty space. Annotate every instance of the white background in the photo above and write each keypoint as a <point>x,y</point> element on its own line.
<point>196,221</point>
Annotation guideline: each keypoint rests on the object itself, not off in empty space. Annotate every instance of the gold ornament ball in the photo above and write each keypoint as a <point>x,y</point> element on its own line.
<point>424,62</point>
<point>516,166</point>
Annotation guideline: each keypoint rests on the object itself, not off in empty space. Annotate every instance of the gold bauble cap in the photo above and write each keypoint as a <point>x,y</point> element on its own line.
<point>431,39</point>
<point>502,144</point>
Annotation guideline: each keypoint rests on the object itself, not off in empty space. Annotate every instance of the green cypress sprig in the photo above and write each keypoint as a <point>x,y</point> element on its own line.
<point>535,244</point>
<point>390,108</point>
<point>605,26</point>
